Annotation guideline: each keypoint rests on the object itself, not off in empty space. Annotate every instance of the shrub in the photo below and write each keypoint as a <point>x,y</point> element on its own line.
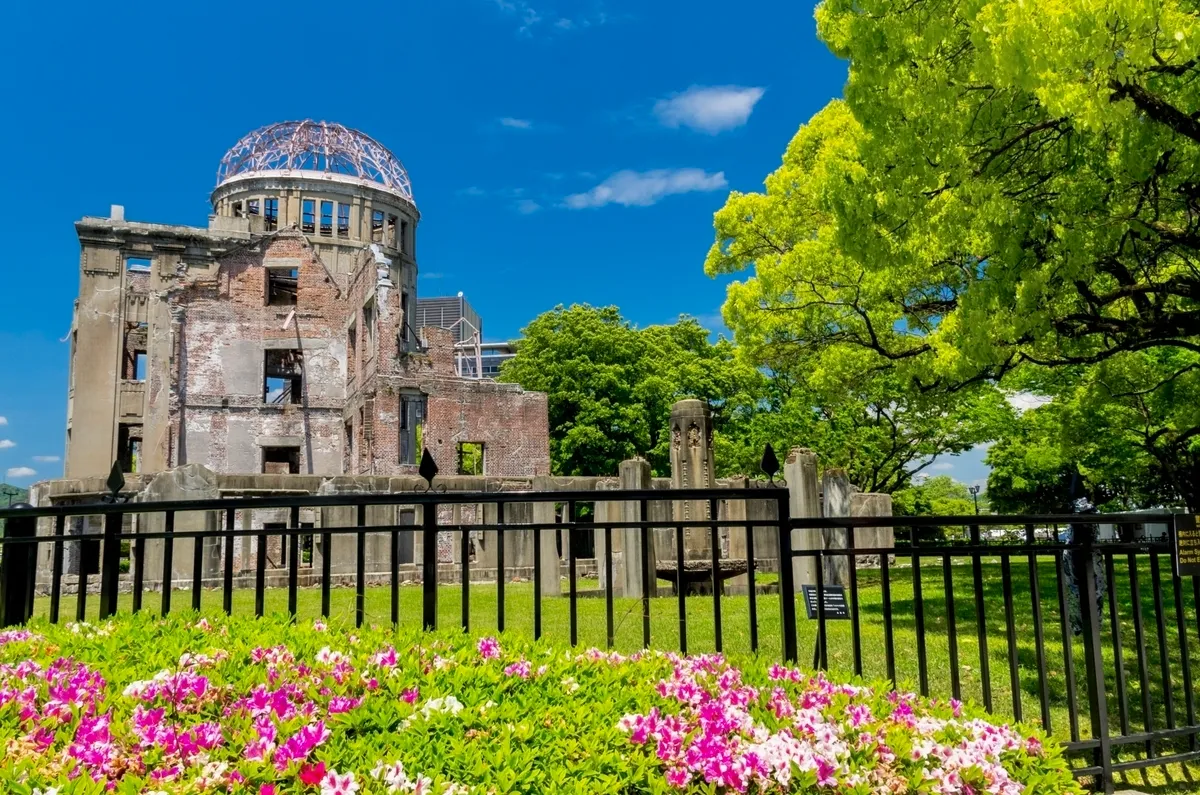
<point>142,705</point>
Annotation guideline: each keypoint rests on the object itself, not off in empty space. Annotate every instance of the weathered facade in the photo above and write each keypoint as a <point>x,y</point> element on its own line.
<point>278,339</point>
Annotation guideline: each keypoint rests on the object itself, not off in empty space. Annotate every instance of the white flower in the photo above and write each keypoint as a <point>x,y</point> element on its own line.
<point>1179,35</point>
<point>448,704</point>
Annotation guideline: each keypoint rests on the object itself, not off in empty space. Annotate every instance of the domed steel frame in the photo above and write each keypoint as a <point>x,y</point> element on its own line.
<point>315,146</point>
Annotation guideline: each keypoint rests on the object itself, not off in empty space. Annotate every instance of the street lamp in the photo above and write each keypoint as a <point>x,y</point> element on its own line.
<point>9,492</point>
<point>975,496</point>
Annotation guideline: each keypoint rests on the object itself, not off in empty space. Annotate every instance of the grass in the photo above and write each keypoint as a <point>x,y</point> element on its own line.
<point>1140,657</point>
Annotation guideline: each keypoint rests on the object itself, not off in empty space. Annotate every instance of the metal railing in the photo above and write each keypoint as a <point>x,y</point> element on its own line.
<point>1100,633</point>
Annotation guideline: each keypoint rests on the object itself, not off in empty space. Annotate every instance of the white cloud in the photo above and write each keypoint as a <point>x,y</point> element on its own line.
<point>1023,401</point>
<point>46,459</point>
<point>472,190</point>
<point>3,420</point>
<point>20,472</point>
<point>430,275</point>
<point>527,15</point>
<point>516,124</point>
<point>709,109</point>
<point>528,206</point>
<point>644,188</point>
<point>7,443</point>
<point>942,466</point>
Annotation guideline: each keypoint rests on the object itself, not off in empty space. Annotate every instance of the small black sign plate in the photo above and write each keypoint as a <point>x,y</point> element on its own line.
<point>1187,546</point>
<point>836,607</point>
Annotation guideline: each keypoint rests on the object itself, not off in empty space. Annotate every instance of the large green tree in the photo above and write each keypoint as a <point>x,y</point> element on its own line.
<point>1120,435</point>
<point>881,434</point>
<point>611,385</point>
<point>1004,183</point>
<point>1005,187</point>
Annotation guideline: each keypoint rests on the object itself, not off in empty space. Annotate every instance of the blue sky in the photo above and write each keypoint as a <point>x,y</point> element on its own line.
<point>560,150</point>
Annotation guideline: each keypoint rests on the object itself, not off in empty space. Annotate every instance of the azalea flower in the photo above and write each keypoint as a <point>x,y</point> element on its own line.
<point>333,784</point>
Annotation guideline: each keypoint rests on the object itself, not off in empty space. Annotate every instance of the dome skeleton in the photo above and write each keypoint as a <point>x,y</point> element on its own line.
<point>315,146</point>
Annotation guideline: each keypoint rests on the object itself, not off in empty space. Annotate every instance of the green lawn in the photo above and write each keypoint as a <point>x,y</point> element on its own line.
<point>735,620</point>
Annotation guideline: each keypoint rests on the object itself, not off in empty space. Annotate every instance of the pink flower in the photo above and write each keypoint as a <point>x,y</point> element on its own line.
<point>333,784</point>
<point>521,669</point>
<point>339,704</point>
<point>266,789</point>
<point>312,774</point>
<point>410,695</point>
<point>489,648</point>
<point>300,745</point>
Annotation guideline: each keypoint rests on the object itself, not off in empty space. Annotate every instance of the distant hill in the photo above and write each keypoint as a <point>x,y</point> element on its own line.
<point>10,495</point>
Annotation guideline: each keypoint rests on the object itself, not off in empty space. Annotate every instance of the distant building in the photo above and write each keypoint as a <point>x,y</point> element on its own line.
<point>473,357</point>
<point>484,360</point>
<point>452,313</point>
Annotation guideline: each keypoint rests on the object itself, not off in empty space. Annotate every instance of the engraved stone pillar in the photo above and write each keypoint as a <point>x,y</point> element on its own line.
<point>547,539</point>
<point>692,467</point>
<point>634,474</point>
<point>837,491</point>
<point>608,511</point>
<point>872,537</point>
<point>800,471</point>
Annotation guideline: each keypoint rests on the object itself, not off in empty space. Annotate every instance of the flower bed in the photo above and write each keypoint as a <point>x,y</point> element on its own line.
<point>265,707</point>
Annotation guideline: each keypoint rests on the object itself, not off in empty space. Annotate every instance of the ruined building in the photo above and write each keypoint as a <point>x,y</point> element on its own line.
<point>279,338</point>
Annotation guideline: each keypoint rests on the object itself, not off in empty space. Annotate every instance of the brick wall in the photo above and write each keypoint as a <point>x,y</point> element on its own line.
<point>221,418</point>
<point>222,328</point>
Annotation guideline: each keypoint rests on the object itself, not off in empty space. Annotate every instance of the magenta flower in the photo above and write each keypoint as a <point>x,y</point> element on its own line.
<point>489,648</point>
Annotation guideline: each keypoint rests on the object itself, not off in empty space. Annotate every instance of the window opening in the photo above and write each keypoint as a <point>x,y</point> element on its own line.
<point>283,285</point>
<point>391,231</point>
<point>306,545</point>
<point>470,458</point>
<point>412,419</point>
<point>369,327</point>
<point>343,224</point>
<point>252,207</point>
<point>129,447</point>
<point>271,214</point>
<point>308,216</point>
<point>139,365</point>
<point>282,377</point>
<point>281,461</point>
<point>377,226</point>
<point>327,218</point>
<point>404,318</point>
<point>137,264</point>
<point>237,210</point>
<point>404,245</point>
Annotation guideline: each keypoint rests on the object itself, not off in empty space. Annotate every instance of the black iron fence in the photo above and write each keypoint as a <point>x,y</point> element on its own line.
<point>1075,623</point>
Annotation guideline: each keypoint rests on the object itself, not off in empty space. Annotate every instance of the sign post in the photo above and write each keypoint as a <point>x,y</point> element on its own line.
<point>834,597</point>
<point>1187,545</point>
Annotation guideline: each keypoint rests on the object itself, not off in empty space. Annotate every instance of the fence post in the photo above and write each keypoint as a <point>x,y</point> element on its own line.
<point>110,565</point>
<point>787,583</point>
<point>429,565</point>
<point>1093,654</point>
<point>18,570</point>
